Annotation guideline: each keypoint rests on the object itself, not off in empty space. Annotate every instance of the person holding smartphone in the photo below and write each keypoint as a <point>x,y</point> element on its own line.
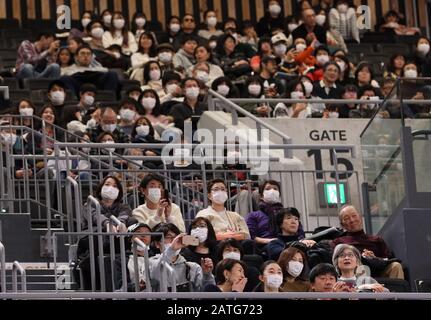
<point>157,207</point>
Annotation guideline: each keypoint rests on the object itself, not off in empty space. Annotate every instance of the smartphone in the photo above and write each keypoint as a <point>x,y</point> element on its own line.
<point>166,196</point>
<point>190,241</point>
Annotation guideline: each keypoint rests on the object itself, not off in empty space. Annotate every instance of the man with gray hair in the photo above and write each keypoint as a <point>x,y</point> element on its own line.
<point>374,250</point>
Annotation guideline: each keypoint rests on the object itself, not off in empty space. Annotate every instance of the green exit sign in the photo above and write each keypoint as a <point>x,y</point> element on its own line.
<point>329,196</point>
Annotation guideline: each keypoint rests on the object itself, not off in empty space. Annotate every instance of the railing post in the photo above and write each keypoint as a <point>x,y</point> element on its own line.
<point>3,268</point>
<point>18,268</point>
<point>337,178</point>
<point>367,209</point>
<point>139,242</point>
<point>91,200</point>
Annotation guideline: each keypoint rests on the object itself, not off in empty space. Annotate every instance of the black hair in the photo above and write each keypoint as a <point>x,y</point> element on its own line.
<point>157,109</point>
<point>263,185</point>
<point>153,49</point>
<point>169,76</point>
<point>322,269</point>
<point>222,245</point>
<point>45,35</point>
<point>147,67</point>
<point>98,191</point>
<point>165,228</point>
<point>226,264</point>
<point>213,182</point>
<point>233,92</point>
<point>148,123</point>
<point>211,242</point>
<point>251,79</point>
<point>364,65</point>
<point>149,177</point>
<point>391,64</point>
<point>138,14</point>
<point>82,47</point>
<point>279,217</point>
<point>87,87</point>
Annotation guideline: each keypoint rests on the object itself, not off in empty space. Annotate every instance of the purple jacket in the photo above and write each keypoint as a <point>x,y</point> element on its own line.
<point>260,222</point>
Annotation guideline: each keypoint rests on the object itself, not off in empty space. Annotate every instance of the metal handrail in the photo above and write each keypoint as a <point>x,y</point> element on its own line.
<point>259,122</point>
<point>93,201</point>
<point>15,269</point>
<point>139,242</point>
<point>5,89</point>
<point>171,272</point>
<point>3,268</point>
<point>70,181</point>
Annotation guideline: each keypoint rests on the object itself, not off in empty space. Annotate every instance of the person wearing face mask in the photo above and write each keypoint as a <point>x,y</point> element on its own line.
<point>173,28</point>
<point>25,109</point>
<point>253,90</point>
<point>191,108</point>
<point>294,264</point>
<point>227,224</point>
<point>346,77</point>
<point>343,19</point>
<point>57,95</point>
<point>289,233</point>
<point>171,83</point>
<point>203,55</point>
<point>119,35</point>
<point>271,277</point>
<point>150,103</point>
<point>140,25</point>
<point>128,114</point>
<point>226,88</point>
<point>322,57</point>
<point>87,95</point>
<point>157,207</point>
<point>203,230</point>
<point>422,56</point>
<point>259,223</point>
<point>108,123</point>
<point>295,90</point>
<point>190,276</point>
<point>109,192</point>
<point>106,19</point>
<point>272,20</point>
<point>147,51</point>
<point>210,18</point>
<point>165,55</point>
<point>153,78</point>
<point>310,30</point>
<point>331,112</point>
<point>201,72</point>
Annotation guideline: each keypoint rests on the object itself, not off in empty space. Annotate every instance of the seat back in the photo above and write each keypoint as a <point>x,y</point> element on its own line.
<point>395,285</point>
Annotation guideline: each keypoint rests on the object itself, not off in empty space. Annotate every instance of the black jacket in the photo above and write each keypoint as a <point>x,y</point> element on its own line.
<point>301,32</point>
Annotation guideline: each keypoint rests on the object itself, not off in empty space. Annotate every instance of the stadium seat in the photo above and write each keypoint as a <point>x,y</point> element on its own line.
<point>125,84</point>
<point>9,23</point>
<point>113,104</point>
<point>104,95</point>
<point>36,84</point>
<point>360,48</point>
<point>17,95</point>
<point>12,83</point>
<point>391,48</point>
<point>395,285</point>
<point>423,285</point>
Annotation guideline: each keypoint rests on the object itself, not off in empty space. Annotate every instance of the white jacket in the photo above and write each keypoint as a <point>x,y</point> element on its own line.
<point>145,215</point>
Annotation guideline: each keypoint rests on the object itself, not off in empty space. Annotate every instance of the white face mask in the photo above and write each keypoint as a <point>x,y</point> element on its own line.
<point>9,138</point>
<point>107,19</point>
<point>109,127</point>
<point>219,197</point>
<point>320,19</point>
<point>97,33</point>
<point>271,196</point>
<point>202,76</point>
<point>26,112</point>
<point>213,45</point>
<point>334,115</point>
<point>254,89</point>
<point>232,255</point>
<point>149,103</point>
<point>155,74</point>
<point>342,8</point>
<point>322,59</point>
<point>274,9</point>
<point>424,48</point>
<point>110,150</point>
<point>280,49</point>
<point>300,47</point>
<point>223,90</point>
<point>274,280</point>
<point>411,73</point>
<point>119,24</point>
<point>154,195</point>
<point>143,131</point>
<point>109,193</point>
<point>192,92</point>
<point>212,21</point>
<point>57,98</point>
<point>88,100</point>
<point>308,87</point>
<point>342,65</point>
<point>292,26</point>
<point>171,88</point>
<point>175,27</point>
<point>85,22</point>
<point>140,22</point>
<point>297,95</point>
<point>165,57</point>
<point>295,268</point>
<point>127,114</point>
<point>200,233</point>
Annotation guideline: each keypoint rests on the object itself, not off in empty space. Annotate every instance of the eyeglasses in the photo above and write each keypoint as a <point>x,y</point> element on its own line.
<point>346,255</point>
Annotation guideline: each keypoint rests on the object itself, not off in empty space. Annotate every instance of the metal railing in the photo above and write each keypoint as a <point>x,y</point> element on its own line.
<point>15,269</point>
<point>3,268</point>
